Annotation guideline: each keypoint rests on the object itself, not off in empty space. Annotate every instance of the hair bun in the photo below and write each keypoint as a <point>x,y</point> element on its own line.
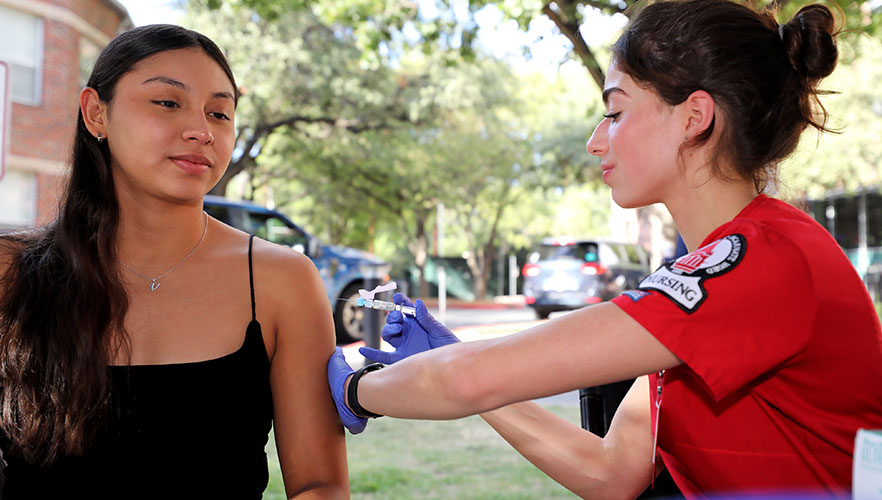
<point>809,41</point>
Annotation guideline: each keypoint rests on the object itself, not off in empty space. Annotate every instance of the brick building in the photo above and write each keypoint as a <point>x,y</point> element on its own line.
<point>49,47</point>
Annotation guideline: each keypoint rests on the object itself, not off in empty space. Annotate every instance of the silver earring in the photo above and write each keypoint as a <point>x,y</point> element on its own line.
<point>100,138</point>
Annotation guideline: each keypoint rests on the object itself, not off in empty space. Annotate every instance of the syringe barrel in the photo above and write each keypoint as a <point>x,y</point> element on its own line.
<point>382,305</point>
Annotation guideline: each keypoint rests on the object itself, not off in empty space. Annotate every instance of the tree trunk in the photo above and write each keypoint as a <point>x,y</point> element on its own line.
<point>570,29</point>
<point>220,189</point>
<point>419,247</point>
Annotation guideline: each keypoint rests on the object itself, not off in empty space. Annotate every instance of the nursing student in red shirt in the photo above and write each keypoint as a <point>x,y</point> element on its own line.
<point>758,355</point>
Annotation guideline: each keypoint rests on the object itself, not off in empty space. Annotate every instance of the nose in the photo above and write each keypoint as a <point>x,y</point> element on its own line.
<point>597,143</point>
<point>198,130</point>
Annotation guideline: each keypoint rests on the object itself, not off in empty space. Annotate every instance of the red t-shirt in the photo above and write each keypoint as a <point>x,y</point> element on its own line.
<point>782,353</point>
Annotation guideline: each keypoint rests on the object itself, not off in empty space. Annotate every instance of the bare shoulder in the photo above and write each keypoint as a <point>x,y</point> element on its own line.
<point>282,268</point>
<point>297,312</point>
<point>277,269</point>
<point>288,284</point>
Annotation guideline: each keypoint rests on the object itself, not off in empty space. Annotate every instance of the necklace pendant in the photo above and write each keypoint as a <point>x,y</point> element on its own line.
<point>154,285</point>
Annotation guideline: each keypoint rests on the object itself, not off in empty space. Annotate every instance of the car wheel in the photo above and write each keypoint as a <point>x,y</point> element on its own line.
<point>542,313</point>
<point>348,317</point>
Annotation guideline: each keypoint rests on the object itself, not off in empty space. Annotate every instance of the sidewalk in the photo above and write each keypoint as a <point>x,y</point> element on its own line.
<point>499,302</point>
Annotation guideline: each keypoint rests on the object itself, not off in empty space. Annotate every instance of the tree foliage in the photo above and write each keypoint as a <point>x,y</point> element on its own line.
<point>852,158</point>
<point>364,153</point>
<point>360,116</point>
<point>380,22</point>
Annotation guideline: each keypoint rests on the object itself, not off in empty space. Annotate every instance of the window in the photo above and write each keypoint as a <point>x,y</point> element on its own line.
<point>578,251</point>
<point>21,46</point>
<point>18,194</point>
<point>846,222</point>
<point>874,220</point>
<point>273,229</point>
<point>608,256</point>
<point>633,254</point>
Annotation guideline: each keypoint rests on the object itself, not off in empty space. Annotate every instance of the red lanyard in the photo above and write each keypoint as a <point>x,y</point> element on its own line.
<point>659,382</point>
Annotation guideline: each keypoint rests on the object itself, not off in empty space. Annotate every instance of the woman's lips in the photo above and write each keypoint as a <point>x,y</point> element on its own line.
<point>192,164</point>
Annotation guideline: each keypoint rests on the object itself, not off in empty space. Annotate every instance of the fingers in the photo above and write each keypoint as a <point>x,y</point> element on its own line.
<point>426,320</point>
<point>387,358</point>
<point>338,361</point>
<point>394,317</point>
<point>401,299</point>
<point>392,331</point>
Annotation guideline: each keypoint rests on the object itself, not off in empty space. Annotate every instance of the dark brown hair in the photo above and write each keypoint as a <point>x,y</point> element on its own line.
<point>763,77</point>
<point>62,302</point>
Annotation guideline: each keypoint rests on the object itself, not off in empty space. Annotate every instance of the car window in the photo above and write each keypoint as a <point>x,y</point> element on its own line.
<point>219,212</point>
<point>274,229</point>
<point>633,254</point>
<point>608,256</point>
<point>579,251</point>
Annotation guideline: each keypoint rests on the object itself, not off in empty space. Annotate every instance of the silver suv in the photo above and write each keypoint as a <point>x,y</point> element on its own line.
<point>568,273</point>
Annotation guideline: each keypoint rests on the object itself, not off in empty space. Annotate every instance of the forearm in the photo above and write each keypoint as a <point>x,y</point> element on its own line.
<point>431,385</point>
<point>473,377</point>
<point>575,458</point>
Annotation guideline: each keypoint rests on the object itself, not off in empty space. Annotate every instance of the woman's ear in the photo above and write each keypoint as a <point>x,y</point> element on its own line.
<point>94,112</point>
<point>699,108</point>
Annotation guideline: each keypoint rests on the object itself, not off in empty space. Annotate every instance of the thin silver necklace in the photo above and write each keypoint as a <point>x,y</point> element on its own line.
<point>154,282</point>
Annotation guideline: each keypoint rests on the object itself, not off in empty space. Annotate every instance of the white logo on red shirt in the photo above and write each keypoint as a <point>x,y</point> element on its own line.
<point>681,281</point>
<point>690,262</point>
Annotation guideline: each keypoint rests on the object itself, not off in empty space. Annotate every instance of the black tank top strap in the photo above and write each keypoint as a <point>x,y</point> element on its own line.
<point>251,279</point>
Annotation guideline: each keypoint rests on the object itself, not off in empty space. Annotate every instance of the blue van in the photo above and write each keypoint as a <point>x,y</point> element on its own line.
<point>344,270</point>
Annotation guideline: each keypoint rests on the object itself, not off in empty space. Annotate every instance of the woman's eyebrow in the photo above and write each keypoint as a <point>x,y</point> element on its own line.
<point>168,81</point>
<point>607,92</point>
<point>183,86</point>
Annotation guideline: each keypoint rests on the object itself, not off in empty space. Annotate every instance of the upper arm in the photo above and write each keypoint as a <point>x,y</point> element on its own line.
<point>629,442</point>
<point>726,316</point>
<point>309,437</point>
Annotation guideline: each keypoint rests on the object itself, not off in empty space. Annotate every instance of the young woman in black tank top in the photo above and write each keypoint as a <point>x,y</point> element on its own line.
<point>146,349</point>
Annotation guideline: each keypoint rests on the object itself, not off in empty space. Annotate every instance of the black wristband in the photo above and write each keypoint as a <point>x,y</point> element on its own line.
<point>352,392</point>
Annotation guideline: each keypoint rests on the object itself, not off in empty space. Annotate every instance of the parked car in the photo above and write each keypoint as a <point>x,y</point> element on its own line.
<point>566,273</point>
<point>344,270</point>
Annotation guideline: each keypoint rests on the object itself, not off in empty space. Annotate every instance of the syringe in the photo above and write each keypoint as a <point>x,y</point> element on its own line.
<point>384,305</point>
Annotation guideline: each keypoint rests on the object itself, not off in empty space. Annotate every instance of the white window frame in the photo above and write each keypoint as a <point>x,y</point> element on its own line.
<point>18,205</point>
<point>37,64</point>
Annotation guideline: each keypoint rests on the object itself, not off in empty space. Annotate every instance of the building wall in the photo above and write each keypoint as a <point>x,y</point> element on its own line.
<point>41,135</point>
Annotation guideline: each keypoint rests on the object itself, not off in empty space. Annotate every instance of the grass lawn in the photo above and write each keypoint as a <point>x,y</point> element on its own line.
<point>409,459</point>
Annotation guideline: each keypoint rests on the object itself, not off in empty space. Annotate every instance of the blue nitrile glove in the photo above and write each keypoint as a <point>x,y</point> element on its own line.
<point>409,335</point>
<point>338,371</point>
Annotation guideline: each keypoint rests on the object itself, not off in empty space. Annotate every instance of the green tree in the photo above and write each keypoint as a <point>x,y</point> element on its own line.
<point>300,77</point>
<point>851,159</point>
<point>379,22</point>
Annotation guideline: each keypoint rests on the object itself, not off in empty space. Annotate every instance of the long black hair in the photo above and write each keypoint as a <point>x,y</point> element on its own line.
<point>62,301</point>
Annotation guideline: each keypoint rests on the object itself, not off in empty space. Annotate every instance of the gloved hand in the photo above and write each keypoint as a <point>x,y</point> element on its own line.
<point>409,335</point>
<point>338,371</point>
